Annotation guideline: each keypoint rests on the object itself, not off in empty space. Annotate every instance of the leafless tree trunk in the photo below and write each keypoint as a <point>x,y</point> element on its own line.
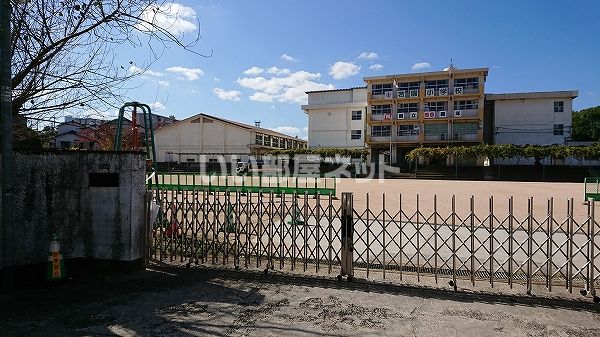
<point>63,54</point>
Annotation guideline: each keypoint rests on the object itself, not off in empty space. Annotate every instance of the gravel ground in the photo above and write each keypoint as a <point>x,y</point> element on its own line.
<point>202,301</point>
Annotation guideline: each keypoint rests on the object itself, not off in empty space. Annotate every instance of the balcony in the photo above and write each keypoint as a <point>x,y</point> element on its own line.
<point>465,113</point>
<point>444,137</point>
<point>466,90</point>
<point>396,139</point>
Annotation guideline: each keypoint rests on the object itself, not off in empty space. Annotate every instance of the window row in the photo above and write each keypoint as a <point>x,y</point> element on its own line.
<point>428,129</point>
<point>278,142</point>
<point>432,109</point>
<point>432,87</point>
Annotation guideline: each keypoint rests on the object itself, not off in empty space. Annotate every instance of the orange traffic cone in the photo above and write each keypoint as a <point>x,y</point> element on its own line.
<point>56,264</point>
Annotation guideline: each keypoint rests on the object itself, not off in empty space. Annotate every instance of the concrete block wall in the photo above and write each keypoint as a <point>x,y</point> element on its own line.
<point>93,201</point>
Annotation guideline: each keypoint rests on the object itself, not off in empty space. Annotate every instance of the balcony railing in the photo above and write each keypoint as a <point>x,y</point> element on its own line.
<point>465,113</point>
<point>395,139</point>
<point>445,137</point>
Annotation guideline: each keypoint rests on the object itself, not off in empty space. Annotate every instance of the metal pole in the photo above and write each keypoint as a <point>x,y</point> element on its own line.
<point>7,136</point>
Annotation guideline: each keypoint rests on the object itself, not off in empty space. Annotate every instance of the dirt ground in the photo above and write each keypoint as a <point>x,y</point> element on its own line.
<point>463,190</point>
<point>202,301</point>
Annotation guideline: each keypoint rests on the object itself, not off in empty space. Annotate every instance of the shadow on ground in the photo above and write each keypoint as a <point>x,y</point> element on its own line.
<point>170,301</point>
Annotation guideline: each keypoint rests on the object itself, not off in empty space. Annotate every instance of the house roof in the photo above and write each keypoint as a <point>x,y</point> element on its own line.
<point>227,121</point>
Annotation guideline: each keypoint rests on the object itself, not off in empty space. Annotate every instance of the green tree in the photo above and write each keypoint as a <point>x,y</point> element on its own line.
<point>586,124</point>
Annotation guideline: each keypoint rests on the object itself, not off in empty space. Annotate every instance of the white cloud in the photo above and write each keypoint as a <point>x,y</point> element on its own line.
<point>368,55</point>
<point>290,88</point>
<point>288,130</point>
<point>305,129</point>
<point>232,95</point>
<point>141,71</point>
<point>216,79</point>
<point>376,66</point>
<point>163,83</point>
<point>253,71</point>
<point>172,17</point>
<point>278,71</point>
<point>420,66</point>
<point>288,58</point>
<point>341,70</point>
<point>261,97</point>
<point>190,74</point>
<point>157,106</point>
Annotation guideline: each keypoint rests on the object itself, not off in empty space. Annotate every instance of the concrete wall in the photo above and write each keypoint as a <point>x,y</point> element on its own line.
<point>531,121</point>
<point>53,195</point>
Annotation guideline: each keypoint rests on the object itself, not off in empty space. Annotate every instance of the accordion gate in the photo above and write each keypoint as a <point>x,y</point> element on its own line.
<point>321,234</point>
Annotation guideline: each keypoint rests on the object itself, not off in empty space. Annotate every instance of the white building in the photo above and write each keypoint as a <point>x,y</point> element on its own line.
<point>438,114</point>
<point>336,118</point>
<point>202,134</point>
<point>534,118</point>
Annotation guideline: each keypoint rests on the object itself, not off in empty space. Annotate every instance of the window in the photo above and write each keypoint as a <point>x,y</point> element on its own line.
<point>436,84</point>
<point>355,134</point>
<point>465,128</point>
<point>559,106</point>
<point>380,89</point>
<point>407,130</point>
<point>381,109</point>
<point>559,129</point>
<point>435,106</point>
<point>259,139</point>
<point>467,83</point>
<point>213,160</point>
<point>408,86</point>
<point>356,115</point>
<point>431,129</point>
<point>381,131</point>
<point>267,140</point>
<point>408,107</point>
<point>466,105</point>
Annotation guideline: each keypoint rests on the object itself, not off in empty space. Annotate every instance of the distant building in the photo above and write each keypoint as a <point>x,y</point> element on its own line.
<point>534,118</point>
<point>67,133</point>
<point>203,134</point>
<point>337,118</point>
<point>397,113</point>
<point>78,132</point>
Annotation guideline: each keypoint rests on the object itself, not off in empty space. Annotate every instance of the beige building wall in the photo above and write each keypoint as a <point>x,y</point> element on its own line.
<point>330,121</point>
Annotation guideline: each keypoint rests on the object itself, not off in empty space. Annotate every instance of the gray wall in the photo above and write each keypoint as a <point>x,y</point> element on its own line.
<point>53,195</point>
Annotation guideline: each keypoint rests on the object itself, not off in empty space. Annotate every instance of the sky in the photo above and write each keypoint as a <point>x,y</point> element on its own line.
<point>264,55</point>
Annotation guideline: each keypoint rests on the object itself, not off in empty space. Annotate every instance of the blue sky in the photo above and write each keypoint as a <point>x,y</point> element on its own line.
<point>265,54</point>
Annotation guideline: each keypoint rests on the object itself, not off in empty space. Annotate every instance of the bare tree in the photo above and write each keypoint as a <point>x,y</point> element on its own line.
<point>64,56</point>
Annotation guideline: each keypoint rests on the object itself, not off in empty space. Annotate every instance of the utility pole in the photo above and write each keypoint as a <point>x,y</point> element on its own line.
<point>6,119</point>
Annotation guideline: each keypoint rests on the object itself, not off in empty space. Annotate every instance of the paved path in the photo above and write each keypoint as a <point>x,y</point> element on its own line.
<point>213,302</point>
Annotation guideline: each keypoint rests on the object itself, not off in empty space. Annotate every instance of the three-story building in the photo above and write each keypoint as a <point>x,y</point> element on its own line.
<point>434,108</point>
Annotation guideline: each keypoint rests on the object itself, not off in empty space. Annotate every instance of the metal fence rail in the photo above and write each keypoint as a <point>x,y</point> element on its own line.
<point>247,184</point>
<point>268,231</point>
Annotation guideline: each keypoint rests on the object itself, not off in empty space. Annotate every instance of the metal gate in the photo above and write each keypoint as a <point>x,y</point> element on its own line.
<point>322,234</point>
